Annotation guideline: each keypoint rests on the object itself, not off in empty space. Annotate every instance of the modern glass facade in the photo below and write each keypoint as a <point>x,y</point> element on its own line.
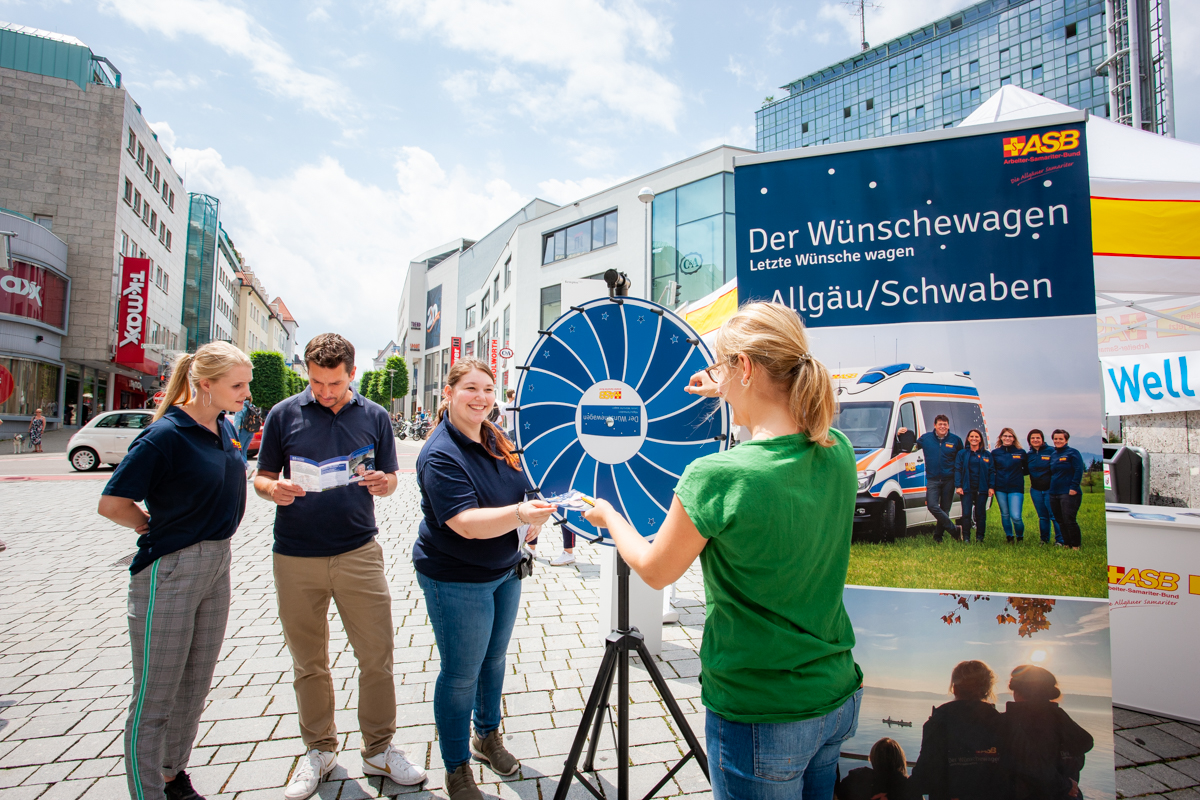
<point>200,269</point>
<point>935,76</point>
<point>692,238</point>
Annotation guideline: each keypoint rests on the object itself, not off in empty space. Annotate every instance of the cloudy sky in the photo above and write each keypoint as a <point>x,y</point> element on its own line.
<point>344,139</point>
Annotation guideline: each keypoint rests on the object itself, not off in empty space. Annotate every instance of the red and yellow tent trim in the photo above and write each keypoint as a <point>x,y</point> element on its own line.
<point>1145,228</point>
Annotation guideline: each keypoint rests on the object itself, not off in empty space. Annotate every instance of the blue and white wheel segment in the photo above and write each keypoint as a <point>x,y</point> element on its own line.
<point>601,409</point>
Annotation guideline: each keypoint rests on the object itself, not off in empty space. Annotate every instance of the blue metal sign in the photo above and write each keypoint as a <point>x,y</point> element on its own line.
<point>987,226</point>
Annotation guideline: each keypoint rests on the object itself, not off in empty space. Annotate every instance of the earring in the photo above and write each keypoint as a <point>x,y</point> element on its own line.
<point>745,381</point>
<point>208,398</point>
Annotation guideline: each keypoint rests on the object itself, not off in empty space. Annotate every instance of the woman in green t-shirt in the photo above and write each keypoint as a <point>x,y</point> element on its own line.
<point>770,521</point>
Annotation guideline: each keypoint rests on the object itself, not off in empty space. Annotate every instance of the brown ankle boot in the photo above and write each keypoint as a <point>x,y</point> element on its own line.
<point>460,784</point>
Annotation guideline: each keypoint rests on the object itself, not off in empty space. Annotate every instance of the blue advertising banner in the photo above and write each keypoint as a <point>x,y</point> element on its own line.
<point>991,226</point>
<point>433,317</point>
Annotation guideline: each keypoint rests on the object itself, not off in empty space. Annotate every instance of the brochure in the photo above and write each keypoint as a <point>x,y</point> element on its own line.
<point>333,472</point>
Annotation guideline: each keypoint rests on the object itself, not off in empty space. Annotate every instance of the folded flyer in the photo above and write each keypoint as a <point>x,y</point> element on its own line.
<point>333,472</point>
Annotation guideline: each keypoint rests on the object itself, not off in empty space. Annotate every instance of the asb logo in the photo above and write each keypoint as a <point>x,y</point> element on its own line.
<point>610,394</point>
<point>1049,142</point>
<point>1143,578</point>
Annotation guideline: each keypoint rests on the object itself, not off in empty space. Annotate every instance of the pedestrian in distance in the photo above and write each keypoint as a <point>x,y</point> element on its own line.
<point>241,425</point>
<point>1010,463</point>
<point>1041,459</point>
<point>973,483</point>
<point>1066,491</point>
<point>37,426</point>
<point>469,544</point>
<point>769,523</point>
<point>940,448</point>
<point>510,414</point>
<point>1042,749</point>
<point>960,756</point>
<point>325,549</point>
<point>186,468</point>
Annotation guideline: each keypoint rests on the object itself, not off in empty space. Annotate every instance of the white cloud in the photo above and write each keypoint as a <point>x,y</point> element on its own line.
<point>237,33</point>
<point>335,248</point>
<point>318,15</point>
<point>170,82</point>
<point>594,51</point>
<point>563,192</point>
<point>166,137</point>
<point>1094,620</point>
<point>736,135</point>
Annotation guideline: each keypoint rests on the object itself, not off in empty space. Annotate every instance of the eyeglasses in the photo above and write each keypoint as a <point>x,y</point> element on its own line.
<point>712,376</point>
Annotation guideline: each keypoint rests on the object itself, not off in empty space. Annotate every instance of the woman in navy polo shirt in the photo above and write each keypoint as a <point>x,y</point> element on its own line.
<point>468,545</point>
<point>186,466</point>
<point>973,481</point>
<point>1010,466</point>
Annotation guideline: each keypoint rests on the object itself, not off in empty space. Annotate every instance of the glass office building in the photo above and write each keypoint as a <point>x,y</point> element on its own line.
<point>692,237</point>
<point>935,76</point>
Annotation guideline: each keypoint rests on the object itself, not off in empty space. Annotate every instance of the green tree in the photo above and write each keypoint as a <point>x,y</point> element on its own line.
<point>295,382</point>
<point>270,384</point>
<point>395,383</point>
<point>365,381</point>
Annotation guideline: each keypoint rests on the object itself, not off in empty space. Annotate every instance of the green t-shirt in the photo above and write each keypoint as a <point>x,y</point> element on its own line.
<point>777,514</point>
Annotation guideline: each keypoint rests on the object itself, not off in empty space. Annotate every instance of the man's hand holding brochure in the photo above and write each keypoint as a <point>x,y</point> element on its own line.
<point>333,473</point>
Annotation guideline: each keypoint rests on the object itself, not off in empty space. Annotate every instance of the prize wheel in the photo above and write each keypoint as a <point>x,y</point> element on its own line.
<point>601,409</point>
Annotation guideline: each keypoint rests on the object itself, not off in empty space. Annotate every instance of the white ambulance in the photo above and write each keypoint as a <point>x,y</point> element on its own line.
<point>873,404</point>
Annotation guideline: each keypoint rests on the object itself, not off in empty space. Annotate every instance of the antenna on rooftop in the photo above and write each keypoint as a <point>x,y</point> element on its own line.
<point>859,8</point>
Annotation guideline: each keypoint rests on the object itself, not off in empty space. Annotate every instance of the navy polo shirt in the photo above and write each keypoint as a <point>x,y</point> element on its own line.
<point>329,523</point>
<point>456,473</point>
<point>192,480</point>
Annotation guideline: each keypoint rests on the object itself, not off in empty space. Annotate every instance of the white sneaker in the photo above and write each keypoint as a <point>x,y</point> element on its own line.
<point>393,764</point>
<point>562,559</point>
<point>309,773</point>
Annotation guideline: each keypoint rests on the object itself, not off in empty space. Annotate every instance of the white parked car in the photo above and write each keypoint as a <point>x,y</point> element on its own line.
<point>105,439</point>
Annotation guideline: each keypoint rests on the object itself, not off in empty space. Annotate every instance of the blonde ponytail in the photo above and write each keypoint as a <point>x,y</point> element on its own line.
<point>209,362</point>
<point>772,336</point>
<point>180,385</point>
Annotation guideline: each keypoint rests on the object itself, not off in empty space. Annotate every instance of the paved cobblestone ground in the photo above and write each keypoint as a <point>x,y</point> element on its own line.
<point>65,671</point>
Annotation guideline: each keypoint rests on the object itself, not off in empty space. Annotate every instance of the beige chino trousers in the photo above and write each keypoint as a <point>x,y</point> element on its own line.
<point>358,585</point>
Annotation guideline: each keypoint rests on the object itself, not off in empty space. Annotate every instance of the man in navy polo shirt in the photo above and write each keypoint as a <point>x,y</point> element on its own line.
<point>940,448</point>
<point>325,549</point>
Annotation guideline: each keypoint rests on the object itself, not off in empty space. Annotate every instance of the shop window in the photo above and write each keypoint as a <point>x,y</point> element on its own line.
<point>580,238</point>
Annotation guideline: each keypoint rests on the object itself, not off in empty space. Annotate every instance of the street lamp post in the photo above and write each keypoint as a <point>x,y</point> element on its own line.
<point>391,391</point>
<point>646,195</point>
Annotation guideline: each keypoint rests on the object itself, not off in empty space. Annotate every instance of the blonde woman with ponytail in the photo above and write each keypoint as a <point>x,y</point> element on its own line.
<point>186,467</point>
<point>771,522</point>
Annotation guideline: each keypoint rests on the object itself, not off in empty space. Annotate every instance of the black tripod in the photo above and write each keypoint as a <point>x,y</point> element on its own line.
<point>616,662</point>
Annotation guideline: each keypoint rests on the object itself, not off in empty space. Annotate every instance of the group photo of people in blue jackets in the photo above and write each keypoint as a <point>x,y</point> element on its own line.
<point>965,468</point>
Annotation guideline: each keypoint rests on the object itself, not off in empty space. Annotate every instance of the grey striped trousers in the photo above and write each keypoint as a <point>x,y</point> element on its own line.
<point>178,607</point>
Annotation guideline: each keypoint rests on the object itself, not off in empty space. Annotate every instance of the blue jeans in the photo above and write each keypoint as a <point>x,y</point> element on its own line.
<point>1010,513</point>
<point>778,761</point>
<point>1041,502</point>
<point>472,623</point>
<point>939,497</point>
<point>244,437</point>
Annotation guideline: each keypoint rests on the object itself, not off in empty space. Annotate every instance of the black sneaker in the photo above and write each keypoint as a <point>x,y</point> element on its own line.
<point>181,788</point>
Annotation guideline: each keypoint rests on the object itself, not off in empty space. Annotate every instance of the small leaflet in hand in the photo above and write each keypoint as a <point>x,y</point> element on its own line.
<point>571,501</point>
<point>332,473</point>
